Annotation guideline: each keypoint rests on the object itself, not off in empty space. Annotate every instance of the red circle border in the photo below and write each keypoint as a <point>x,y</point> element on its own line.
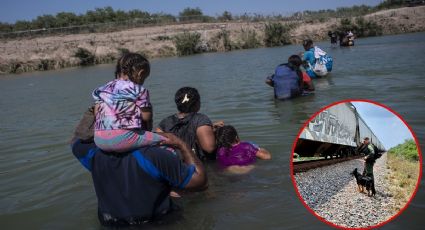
<point>291,166</point>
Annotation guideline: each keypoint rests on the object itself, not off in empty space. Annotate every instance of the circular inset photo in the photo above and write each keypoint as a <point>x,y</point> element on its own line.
<point>356,164</point>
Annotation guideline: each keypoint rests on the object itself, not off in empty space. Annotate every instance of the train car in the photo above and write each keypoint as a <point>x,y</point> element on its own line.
<point>335,132</point>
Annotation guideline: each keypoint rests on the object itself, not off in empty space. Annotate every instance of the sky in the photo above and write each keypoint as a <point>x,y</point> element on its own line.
<point>390,130</point>
<point>12,10</point>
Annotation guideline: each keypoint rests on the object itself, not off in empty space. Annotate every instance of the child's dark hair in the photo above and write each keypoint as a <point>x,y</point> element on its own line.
<point>131,64</point>
<point>307,42</point>
<point>226,136</point>
<point>187,100</point>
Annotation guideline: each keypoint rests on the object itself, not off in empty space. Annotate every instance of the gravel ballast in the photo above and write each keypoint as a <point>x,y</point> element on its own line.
<point>331,191</point>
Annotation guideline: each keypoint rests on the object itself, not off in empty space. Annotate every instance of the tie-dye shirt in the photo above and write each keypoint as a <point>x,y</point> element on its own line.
<point>120,104</point>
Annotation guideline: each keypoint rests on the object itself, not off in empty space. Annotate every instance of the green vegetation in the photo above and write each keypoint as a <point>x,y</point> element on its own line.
<point>276,34</point>
<point>108,19</point>
<point>403,164</point>
<point>99,15</point>
<point>407,150</point>
<point>123,51</point>
<point>187,43</point>
<point>297,158</point>
<point>86,57</point>
<point>248,39</point>
<point>226,16</point>
<point>360,27</point>
<point>194,15</point>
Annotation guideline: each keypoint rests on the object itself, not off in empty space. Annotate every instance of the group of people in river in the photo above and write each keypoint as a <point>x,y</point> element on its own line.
<point>345,38</point>
<point>136,171</point>
<point>293,79</point>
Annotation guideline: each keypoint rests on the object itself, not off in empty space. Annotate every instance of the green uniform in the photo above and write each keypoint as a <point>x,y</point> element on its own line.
<point>368,167</point>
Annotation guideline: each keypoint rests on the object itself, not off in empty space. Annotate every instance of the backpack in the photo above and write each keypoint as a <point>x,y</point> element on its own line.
<point>323,63</point>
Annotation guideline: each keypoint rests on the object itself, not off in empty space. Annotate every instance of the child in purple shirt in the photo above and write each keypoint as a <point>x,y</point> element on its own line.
<point>233,152</point>
<point>123,109</point>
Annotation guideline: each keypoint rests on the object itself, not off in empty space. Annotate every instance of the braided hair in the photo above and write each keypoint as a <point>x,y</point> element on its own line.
<point>187,100</point>
<point>226,136</point>
<point>131,64</point>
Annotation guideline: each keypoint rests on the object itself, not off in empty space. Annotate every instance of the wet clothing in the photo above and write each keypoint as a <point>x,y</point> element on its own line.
<point>242,154</point>
<point>286,82</point>
<point>185,128</point>
<point>121,140</point>
<point>308,84</point>
<point>309,58</point>
<point>119,124</point>
<point>313,55</point>
<point>333,37</point>
<point>133,188</point>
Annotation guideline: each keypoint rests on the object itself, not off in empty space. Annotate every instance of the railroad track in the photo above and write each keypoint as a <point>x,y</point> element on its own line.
<point>302,166</point>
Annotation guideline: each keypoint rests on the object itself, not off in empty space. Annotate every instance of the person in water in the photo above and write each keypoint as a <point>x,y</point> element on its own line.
<point>132,188</point>
<point>288,80</point>
<point>334,37</point>
<point>234,152</point>
<point>195,128</point>
<point>123,109</point>
<point>312,55</point>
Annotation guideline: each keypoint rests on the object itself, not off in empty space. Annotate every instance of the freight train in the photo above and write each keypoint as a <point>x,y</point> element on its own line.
<point>337,131</point>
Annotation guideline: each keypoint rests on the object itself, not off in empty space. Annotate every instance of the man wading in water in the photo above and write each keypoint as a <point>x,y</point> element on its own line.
<point>369,159</point>
<point>133,188</point>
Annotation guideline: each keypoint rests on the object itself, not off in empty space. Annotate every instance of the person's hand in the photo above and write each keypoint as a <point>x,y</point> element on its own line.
<point>218,124</point>
<point>172,140</point>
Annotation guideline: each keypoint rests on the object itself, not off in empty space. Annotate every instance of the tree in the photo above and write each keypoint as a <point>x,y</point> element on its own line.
<point>191,14</point>
<point>44,21</point>
<point>226,16</point>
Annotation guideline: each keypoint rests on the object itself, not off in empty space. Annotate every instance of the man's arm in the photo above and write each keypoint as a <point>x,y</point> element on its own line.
<point>269,81</point>
<point>199,180</point>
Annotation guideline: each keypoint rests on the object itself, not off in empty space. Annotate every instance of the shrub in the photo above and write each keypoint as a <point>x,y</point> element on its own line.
<point>368,28</point>
<point>276,34</point>
<point>161,38</point>
<point>226,16</point>
<point>191,14</point>
<point>249,39</point>
<point>187,43</point>
<point>46,64</point>
<point>360,27</point>
<point>408,150</point>
<point>224,37</point>
<point>123,51</point>
<point>85,56</point>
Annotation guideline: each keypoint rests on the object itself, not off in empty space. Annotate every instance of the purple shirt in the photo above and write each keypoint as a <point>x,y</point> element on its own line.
<point>120,104</point>
<point>241,154</point>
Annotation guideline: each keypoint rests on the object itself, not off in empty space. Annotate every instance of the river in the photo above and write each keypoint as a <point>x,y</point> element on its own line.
<point>42,186</point>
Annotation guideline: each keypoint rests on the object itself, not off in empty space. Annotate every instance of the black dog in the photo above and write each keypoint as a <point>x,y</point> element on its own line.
<point>364,182</point>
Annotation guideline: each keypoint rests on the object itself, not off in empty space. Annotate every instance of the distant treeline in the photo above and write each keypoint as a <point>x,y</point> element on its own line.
<point>139,18</point>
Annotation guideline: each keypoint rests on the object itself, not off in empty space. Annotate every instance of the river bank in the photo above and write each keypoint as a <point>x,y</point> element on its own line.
<point>56,52</point>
